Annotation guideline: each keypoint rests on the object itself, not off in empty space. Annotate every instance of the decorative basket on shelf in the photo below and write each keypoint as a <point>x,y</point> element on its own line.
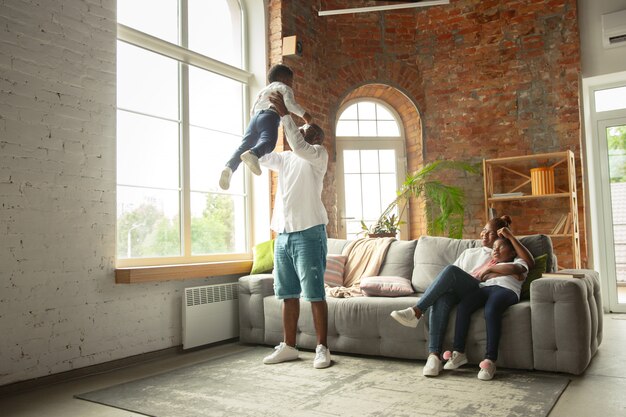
<point>542,180</point>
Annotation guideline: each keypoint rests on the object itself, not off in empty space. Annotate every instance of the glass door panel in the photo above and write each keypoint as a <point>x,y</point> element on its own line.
<point>615,134</point>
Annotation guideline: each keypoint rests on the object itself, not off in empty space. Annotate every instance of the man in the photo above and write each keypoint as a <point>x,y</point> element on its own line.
<point>300,220</point>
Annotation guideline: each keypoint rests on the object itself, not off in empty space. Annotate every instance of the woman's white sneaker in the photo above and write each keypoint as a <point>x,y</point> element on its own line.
<point>282,353</point>
<point>433,366</point>
<point>405,317</point>
<point>322,357</point>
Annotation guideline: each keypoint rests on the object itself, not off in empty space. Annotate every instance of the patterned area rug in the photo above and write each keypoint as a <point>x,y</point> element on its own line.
<point>241,385</point>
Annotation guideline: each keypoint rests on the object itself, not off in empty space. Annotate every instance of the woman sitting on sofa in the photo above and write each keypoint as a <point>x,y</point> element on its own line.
<point>454,282</point>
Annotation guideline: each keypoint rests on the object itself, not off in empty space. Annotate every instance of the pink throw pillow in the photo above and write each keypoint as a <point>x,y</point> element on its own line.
<point>335,264</point>
<point>388,286</point>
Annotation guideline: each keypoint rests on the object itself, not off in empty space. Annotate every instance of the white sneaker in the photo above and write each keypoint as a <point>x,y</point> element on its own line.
<point>487,370</point>
<point>457,359</point>
<point>282,353</point>
<point>252,162</point>
<point>433,366</point>
<point>405,317</point>
<point>225,178</point>
<point>322,357</point>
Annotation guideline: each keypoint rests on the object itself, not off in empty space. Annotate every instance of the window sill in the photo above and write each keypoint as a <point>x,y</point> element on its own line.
<point>141,274</point>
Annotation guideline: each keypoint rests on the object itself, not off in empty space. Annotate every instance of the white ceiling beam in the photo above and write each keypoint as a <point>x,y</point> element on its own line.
<point>383,8</point>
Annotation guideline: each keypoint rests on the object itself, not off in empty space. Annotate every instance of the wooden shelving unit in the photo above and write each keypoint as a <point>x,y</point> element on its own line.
<point>517,170</point>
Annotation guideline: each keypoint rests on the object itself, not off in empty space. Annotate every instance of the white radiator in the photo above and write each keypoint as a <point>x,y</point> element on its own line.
<point>210,314</point>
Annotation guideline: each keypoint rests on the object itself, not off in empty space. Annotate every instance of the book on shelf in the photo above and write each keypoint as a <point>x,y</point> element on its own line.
<point>515,194</point>
<point>567,229</point>
<point>562,275</point>
<point>559,225</point>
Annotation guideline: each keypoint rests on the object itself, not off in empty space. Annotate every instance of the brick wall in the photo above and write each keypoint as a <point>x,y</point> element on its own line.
<point>487,79</point>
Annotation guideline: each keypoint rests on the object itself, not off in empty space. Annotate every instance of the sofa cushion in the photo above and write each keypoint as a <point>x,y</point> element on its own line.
<point>335,246</point>
<point>335,265</point>
<point>534,273</point>
<point>263,257</point>
<point>399,259</point>
<point>539,245</point>
<point>432,254</point>
<point>386,286</point>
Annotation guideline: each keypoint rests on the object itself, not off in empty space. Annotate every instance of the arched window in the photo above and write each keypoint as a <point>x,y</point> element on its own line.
<point>370,163</point>
<point>182,86</point>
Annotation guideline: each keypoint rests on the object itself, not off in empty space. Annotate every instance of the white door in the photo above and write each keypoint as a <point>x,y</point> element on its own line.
<point>371,165</point>
<point>607,173</point>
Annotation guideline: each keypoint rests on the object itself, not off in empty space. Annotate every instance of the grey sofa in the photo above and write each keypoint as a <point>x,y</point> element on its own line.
<point>559,329</point>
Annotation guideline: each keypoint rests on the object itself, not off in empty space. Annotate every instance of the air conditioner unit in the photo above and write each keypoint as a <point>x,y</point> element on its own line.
<point>614,29</point>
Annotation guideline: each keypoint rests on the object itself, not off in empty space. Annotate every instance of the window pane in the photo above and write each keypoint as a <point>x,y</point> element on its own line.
<point>351,161</point>
<point>371,120</point>
<point>367,128</point>
<point>369,161</point>
<point>349,113</point>
<point>371,196</point>
<point>210,20</point>
<point>146,82</point>
<point>352,184</point>
<point>215,102</point>
<point>386,128</point>
<point>148,223</point>
<point>353,228</point>
<point>387,189</point>
<point>163,17</point>
<point>347,128</point>
<point>383,114</point>
<point>147,151</point>
<point>387,158</point>
<point>208,152</point>
<point>367,110</point>
<point>216,225</point>
<point>611,99</point>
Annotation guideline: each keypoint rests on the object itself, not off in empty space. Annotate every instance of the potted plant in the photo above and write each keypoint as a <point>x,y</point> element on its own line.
<point>386,226</point>
<point>444,204</point>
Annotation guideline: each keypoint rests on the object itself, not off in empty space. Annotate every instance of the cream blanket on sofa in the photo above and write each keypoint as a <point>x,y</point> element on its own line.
<point>364,259</point>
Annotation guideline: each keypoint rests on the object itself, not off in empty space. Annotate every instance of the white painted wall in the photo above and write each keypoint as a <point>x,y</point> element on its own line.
<point>59,306</point>
<point>596,60</point>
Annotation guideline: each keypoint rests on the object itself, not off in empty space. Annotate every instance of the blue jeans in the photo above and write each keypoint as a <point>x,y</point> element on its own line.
<point>260,137</point>
<point>496,299</point>
<point>300,263</point>
<point>441,296</point>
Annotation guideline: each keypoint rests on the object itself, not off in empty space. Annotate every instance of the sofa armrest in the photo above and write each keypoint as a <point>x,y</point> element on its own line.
<point>566,317</point>
<point>252,290</point>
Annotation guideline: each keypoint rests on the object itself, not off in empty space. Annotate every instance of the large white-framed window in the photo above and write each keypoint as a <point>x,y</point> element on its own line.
<point>371,163</point>
<point>604,100</point>
<point>182,100</point>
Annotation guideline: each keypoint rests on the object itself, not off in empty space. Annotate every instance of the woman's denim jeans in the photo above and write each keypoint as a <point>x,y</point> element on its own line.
<point>441,296</point>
